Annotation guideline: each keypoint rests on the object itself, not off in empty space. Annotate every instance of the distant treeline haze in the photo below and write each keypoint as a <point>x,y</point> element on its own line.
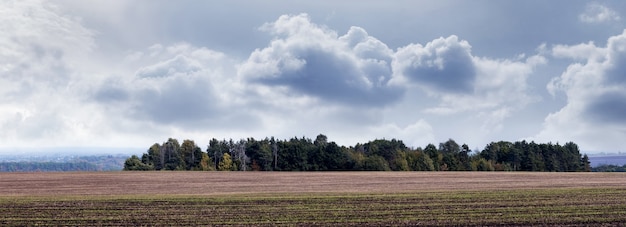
<point>304,154</point>
<point>80,163</point>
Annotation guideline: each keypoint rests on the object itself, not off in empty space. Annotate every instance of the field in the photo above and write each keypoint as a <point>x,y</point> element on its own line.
<point>312,198</point>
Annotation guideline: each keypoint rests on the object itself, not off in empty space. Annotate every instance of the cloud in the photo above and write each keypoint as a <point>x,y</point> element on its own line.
<point>417,134</point>
<point>41,53</point>
<point>594,113</point>
<point>111,90</point>
<point>178,85</point>
<point>583,51</point>
<point>443,64</point>
<point>311,60</point>
<point>309,65</point>
<point>61,81</point>
<point>171,67</point>
<point>597,13</point>
<point>446,70</point>
<point>39,45</point>
<point>608,107</point>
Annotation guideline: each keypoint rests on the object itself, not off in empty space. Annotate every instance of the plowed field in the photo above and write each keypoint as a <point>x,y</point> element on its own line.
<point>312,198</point>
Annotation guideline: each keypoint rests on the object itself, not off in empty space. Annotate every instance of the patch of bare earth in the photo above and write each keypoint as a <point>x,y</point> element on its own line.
<point>221,183</point>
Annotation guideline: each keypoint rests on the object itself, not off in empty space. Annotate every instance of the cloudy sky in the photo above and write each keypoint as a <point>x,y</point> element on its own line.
<point>132,73</point>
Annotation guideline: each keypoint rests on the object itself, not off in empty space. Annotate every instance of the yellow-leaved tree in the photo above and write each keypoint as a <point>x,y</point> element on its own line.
<point>226,164</point>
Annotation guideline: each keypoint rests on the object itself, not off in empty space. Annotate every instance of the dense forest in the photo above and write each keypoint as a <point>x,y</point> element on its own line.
<point>304,154</point>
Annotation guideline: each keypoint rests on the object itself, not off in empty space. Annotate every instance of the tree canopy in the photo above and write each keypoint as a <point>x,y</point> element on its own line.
<point>305,154</point>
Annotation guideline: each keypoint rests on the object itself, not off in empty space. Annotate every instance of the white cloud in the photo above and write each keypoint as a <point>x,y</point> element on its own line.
<point>41,53</point>
<point>583,51</point>
<point>446,69</point>
<point>141,74</point>
<point>309,77</point>
<point>595,110</point>
<point>597,13</point>
<point>417,134</point>
<point>179,86</point>
<point>311,60</point>
<point>39,43</point>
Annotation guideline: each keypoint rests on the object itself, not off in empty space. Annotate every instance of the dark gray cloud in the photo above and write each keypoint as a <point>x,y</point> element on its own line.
<point>111,90</point>
<point>443,64</point>
<point>178,100</point>
<point>616,60</point>
<point>608,108</point>
<point>336,79</point>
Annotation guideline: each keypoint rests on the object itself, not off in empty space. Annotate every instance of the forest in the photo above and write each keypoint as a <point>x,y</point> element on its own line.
<point>304,154</point>
<point>66,164</point>
<point>47,166</point>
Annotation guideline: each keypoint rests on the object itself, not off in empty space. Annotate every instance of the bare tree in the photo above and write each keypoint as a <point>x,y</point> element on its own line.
<point>274,152</point>
<point>238,151</point>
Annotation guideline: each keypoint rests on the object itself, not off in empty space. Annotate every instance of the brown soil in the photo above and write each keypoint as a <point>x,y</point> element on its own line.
<point>220,183</point>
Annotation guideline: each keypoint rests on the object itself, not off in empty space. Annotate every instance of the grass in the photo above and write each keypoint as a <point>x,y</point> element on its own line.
<point>507,207</point>
<point>595,199</point>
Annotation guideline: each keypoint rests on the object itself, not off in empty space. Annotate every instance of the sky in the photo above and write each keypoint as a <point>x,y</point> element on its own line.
<point>128,74</point>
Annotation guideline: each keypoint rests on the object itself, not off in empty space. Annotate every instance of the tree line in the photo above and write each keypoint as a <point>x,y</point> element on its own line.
<point>65,163</point>
<point>304,154</point>
<point>47,166</point>
<point>609,168</point>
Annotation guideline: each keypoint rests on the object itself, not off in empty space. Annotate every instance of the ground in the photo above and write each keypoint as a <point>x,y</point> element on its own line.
<point>312,198</point>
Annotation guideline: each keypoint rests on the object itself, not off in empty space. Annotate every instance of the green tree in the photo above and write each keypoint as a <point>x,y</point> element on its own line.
<point>449,147</point>
<point>356,159</point>
<point>134,163</point>
<point>434,156</point>
<point>260,154</point>
<point>387,149</point>
<point>173,159</point>
<point>191,154</point>
<point>586,165</point>
<point>153,157</point>
<point>420,161</point>
<point>317,155</point>
<point>376,163</point>
<point>399,162</point>
<point>335,158</point>
<point>294,154</point>
<point>464,159</point>
<point>481,164</point>
<point>571,157</point>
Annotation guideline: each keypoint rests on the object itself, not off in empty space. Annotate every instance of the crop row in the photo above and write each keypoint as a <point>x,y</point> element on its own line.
<point>512,207</point>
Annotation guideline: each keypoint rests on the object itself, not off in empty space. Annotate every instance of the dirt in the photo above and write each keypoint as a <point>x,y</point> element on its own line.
<point>222,183</point>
